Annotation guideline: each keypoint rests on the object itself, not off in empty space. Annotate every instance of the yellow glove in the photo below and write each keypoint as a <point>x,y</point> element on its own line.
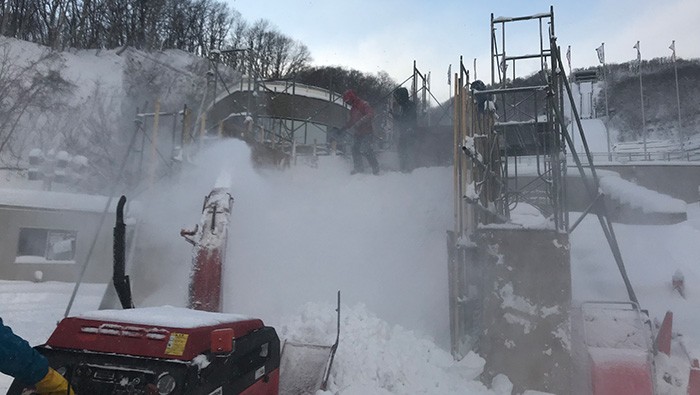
<point>53,384</point>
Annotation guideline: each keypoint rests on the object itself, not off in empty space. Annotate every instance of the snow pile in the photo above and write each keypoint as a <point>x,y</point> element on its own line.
<point>524,216</point>
<point>33,309</point>
<point>374,357</point>
<point>637,196</point>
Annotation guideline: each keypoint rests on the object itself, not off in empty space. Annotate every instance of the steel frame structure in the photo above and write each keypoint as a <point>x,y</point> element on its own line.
<point>495,126</point>
<point>555,138</point>
<point>526,120</point>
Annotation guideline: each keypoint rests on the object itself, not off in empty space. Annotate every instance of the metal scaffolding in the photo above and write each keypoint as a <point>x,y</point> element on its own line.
<point>526,121</point>
<point>497,129</point>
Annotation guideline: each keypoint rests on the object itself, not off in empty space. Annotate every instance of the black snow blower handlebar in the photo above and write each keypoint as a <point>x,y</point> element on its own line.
<point>120,279</point>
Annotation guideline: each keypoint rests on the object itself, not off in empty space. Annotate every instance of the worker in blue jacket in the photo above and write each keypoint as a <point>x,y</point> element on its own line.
<point>19,360</point>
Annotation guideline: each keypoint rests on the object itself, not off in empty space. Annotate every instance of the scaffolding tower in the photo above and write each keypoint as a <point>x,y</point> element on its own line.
<point>511,143</point>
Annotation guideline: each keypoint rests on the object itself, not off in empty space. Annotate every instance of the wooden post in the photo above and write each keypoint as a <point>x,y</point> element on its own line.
<point>154,143</point>
<point>294,151</point>
<point>456,160</point>
<point>186,122</point>
<point>203,128</point>
<point>221,130</point>
<point>315,152</point>
<point>465,164</point>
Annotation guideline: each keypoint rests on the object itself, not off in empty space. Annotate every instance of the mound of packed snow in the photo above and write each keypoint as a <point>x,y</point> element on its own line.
<point>374,357</point>
<point>637,196</point>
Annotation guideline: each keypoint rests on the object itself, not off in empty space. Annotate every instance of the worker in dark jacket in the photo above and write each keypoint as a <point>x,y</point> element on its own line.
<point>24,363</point>
<point>405,119</point>
<point>360,123</point>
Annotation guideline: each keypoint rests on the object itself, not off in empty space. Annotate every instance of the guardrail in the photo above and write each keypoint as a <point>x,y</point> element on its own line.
<point>620,158</point>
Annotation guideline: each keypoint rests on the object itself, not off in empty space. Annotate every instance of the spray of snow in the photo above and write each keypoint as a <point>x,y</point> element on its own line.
<point>298,237</point>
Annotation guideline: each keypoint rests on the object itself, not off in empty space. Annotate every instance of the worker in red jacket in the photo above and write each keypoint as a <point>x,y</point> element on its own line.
<point>360,124</point>
<point>24,363</point>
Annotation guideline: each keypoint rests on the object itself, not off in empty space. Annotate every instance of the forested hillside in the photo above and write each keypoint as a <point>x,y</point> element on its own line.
<point>206,28</point>
<point>660,100</point>
<point>74,73</point>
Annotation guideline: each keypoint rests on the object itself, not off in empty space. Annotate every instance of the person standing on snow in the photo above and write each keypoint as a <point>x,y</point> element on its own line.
<point>360,123</point>
<point>19,360</point>
<point>406,121</point>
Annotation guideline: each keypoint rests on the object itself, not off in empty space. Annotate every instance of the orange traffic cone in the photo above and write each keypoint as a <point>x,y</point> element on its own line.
<point>694,379</point>
<point>663,338</point>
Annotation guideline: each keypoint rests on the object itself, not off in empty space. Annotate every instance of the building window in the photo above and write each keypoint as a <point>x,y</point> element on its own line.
<point>46,246</point>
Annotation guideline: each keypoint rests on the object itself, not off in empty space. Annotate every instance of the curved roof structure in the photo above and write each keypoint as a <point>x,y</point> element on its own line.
<point>282,100</point>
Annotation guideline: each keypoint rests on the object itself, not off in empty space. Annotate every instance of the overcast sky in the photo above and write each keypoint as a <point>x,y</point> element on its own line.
<point>375,35</point>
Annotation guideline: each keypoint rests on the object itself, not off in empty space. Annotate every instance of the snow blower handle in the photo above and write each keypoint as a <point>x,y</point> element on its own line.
<point>120,279</point>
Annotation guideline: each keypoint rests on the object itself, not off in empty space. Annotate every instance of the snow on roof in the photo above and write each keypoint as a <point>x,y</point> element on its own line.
<point>49,200</point>
<point>502,19</point>
<point>285,87</point>
<point>167,316</point>
<point>639,197</point>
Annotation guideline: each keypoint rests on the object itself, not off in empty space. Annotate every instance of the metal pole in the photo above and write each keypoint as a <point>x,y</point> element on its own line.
<point>503,58</point>
<point>456,159</point>
<point>573,132</point>
<point>644,127</point>
<point>493,52</point>
<point>607,113</point>
<point>112,191</point>
<point>603,216</point>
<point>580,98</point>
<point>154,144</point>
<point>474,68</point>
<point>678,99</point>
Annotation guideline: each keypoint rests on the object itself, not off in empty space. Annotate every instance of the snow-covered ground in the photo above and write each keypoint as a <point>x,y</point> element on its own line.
<point>298,236</point>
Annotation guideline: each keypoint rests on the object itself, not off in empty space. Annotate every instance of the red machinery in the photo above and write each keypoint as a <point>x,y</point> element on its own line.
<point>165,350</point>
<point>209,251</point>
<point>617,336</point>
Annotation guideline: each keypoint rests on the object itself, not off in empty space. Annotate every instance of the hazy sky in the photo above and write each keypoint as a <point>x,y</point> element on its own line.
<point>374,35</point>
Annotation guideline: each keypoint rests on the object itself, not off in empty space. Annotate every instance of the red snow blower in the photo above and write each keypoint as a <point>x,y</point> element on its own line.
<point>164,350</point>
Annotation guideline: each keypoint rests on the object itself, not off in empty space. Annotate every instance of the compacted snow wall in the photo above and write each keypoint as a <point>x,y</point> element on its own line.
<point>526,303</point>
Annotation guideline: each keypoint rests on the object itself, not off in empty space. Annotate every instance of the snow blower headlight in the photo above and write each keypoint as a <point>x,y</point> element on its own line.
<point>166,383</point>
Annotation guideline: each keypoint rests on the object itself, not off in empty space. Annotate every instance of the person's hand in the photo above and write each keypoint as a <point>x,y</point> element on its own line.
<point>53,384</point>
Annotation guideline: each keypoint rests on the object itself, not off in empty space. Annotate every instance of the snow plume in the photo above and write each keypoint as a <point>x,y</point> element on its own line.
<point>374,357</point>
<point>176,205</point>
<point>301,235</point>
